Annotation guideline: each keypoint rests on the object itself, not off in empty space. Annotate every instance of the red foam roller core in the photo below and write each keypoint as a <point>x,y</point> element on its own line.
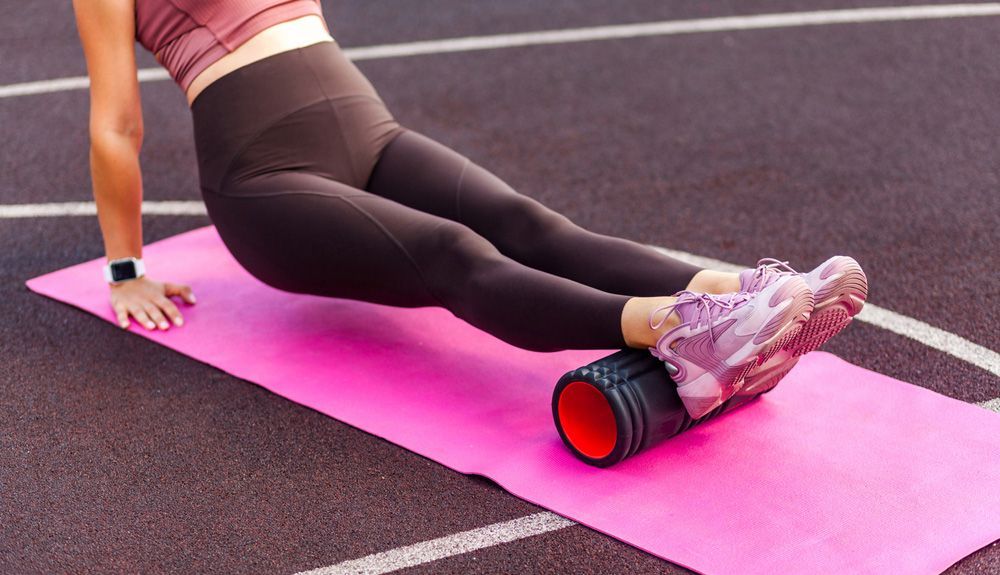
<point>587,419</point>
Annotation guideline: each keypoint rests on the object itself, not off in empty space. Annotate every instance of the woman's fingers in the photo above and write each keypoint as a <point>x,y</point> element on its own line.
<point>155,314</point>
<point>179,290</point>
<point>140,316</point>
<point>122,313</point>
<point>170,309</point>
<point>149,303</point>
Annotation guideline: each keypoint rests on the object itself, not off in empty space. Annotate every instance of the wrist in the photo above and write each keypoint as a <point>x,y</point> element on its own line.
<point>121,270</point>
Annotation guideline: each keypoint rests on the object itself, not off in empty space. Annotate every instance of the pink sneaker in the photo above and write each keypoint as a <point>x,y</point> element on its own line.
<point>722,337</point>
<point>840,289</point>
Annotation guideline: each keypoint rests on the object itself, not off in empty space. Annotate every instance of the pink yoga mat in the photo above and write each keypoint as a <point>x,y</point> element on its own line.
<point>838,470</point>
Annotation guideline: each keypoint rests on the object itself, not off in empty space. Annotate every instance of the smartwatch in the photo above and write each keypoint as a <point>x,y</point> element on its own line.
<point>123,269</point>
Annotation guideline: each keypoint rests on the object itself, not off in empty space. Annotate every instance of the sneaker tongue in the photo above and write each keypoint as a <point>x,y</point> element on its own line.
<point>746,279</point>
<point>686,307</point>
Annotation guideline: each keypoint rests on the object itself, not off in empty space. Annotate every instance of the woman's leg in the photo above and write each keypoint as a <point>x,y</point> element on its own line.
<point>424,174</point>
<point>304,233</point>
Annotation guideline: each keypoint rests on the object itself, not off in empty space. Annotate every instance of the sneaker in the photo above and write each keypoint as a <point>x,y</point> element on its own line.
<point>840,289</point>
<point>722,337</point>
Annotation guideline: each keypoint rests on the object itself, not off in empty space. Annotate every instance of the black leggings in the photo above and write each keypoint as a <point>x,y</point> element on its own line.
<point>315,188</point>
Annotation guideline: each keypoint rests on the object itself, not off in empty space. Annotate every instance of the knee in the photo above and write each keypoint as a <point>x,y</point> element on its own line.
<point>527,223</point>
<point>455,259</point>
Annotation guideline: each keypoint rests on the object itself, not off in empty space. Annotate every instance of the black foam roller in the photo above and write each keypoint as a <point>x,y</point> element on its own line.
<point>622,404</point>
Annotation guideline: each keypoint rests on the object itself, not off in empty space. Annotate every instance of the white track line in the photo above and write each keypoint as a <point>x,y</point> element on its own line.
<point>448,546</point>
<point>947,342</point>
<point>662,28</point>
<point>171,208</point>
<point>939,339</point>
<point>467,541</point>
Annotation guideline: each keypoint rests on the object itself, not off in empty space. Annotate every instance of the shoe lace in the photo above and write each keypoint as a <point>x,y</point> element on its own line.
<point>708,307</point>
<point>766,266</point>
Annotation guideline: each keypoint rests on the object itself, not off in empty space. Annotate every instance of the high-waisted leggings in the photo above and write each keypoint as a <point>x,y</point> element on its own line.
<point>315,188</point>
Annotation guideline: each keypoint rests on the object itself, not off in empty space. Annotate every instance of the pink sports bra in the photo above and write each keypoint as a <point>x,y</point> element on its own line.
<point>186,36</point>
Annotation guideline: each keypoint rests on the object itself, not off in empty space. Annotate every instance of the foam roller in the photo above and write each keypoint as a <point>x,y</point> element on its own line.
<point>622,404</point>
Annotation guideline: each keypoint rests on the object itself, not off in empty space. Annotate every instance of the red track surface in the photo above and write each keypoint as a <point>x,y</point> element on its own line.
<point>877,140</point>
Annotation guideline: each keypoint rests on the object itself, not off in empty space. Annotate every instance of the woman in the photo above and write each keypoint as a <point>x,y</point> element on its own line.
<point>315,188</point>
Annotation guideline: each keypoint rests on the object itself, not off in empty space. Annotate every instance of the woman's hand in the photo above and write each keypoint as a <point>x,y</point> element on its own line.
<point>148,302</point>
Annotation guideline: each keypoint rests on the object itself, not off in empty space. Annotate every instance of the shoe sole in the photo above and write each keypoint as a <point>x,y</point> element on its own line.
<point>711,390</point>
<point>836,306</point>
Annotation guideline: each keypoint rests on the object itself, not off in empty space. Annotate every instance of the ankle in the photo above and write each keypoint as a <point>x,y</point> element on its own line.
<point>636,319</point>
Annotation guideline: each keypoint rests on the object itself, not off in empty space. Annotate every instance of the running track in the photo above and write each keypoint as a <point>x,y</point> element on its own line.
<point>873,138</point>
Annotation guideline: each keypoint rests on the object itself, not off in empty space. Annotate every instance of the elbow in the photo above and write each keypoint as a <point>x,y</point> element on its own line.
<point>127,124</point>
<point>130,129</point>
<point>115,134</point>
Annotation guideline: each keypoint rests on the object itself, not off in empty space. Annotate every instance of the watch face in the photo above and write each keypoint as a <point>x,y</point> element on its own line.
<point>121,271</point>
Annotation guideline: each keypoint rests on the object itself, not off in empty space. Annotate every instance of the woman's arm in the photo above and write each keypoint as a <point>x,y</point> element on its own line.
<point>107,34</point>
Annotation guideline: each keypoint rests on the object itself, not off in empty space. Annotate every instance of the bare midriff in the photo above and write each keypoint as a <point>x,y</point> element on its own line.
<point>281,37</point>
